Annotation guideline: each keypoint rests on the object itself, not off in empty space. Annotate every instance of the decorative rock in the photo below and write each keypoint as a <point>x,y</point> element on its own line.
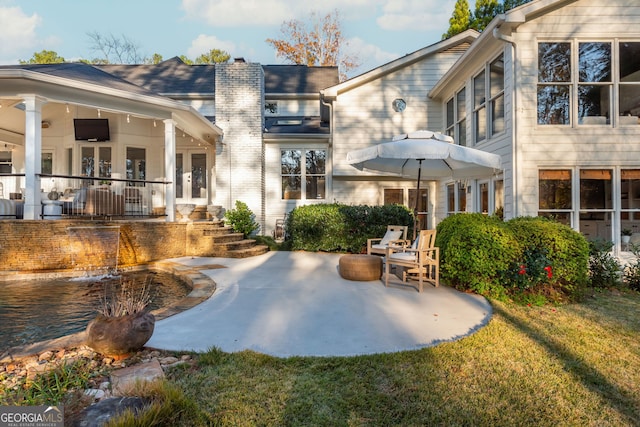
<point>95,393</point>
<point>124,379</point>
<point>47,355</point>
<point>168,360</point>
<point>98,414</point>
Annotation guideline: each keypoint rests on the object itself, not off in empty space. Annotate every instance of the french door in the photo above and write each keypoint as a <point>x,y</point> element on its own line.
<point>191,177</point>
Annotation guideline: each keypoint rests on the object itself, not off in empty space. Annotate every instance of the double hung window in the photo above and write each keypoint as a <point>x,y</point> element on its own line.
<point>488,101</point>
<point>457,119</point>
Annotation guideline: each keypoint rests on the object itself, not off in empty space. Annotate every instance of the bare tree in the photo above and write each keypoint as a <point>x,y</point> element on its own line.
<point>320,42</point>
<point>114,50</point>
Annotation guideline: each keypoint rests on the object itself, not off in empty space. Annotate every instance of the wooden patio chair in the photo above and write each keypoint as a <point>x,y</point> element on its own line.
<point>395,235</point>
<point>420,262</point>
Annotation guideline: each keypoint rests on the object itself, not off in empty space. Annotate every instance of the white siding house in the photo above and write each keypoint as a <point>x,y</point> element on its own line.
<point>552,87</point>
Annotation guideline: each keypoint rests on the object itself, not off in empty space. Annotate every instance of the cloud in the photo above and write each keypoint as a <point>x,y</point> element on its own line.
<point>369,56</point>
<point>230,13</point>
<point>203,44</point>
<point>18,31</point>
<point>416,15</point>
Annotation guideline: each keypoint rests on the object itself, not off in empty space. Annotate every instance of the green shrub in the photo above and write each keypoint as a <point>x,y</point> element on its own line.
<point>525,259</point>
<point>475,251</point>
<point>242,219</point>
<point>604,269</point>
<point>547,243</point>
<point>631,276</point>
<point>335,227</point>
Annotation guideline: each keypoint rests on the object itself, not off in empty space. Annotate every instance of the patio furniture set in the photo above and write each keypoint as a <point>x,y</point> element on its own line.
<point>394,254</point>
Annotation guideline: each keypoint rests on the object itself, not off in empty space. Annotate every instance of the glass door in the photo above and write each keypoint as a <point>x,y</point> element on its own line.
<point>191,177</point>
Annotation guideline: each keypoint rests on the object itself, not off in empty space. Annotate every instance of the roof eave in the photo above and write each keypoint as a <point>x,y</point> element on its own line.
<point>466,36</point>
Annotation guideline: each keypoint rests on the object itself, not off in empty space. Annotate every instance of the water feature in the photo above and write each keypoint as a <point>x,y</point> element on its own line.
<point>37,310</point>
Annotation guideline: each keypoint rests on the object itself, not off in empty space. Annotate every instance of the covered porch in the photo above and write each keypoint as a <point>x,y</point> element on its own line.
<point>77,141</point>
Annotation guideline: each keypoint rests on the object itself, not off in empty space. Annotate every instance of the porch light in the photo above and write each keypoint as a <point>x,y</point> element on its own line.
<point>128,119</point>
<point>67,108</point>
<point>98,112</point>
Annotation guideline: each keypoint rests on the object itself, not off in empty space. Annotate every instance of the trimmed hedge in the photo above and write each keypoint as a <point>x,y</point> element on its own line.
<point>334,227</point>
<point>527,258</point>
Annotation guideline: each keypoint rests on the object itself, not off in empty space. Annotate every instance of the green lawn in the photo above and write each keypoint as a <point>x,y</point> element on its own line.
<point>573,365</point>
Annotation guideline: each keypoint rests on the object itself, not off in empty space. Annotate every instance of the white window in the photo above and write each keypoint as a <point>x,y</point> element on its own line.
<point>457,119</point>
<point>488,101</point>
<point>576,83</point>
<point>303,174</point>
<point>456,198</point>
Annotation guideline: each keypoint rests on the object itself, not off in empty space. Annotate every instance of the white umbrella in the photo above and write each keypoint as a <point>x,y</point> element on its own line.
<point>407,154</point>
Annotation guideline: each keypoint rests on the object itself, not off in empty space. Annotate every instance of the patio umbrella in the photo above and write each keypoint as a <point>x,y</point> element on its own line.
<point>408,154</point>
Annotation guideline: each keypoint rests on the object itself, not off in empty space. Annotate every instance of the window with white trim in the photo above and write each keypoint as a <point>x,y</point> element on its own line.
<point>488,101</point>
<point>456,198</point>
<point>457,118</point>
<point>577,83</point>
<point>303,174</point>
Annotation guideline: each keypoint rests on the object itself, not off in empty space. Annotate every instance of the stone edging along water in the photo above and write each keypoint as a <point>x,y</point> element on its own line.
<point>202,287</point>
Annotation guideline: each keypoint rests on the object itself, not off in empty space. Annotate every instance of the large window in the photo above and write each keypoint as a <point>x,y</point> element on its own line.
<point>629,86</point>
<point>457,119</point>
<point>555,194</point>
<point>488,101</point>
<point>630,200</point>
<point>303,174</point>
<point>594,199</point>
<point>586,93</point>
<point>554,83</point>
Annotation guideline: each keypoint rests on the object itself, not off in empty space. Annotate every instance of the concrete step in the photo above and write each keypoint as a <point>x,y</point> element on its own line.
<point>248,252</point>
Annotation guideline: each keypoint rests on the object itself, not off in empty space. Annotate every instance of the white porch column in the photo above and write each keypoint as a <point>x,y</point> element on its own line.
<point>170,168</point>
<point>32,155</point>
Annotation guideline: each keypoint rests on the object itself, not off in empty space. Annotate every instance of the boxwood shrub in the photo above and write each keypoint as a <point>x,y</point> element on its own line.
<point>335,227</point>
<point>525,259</point>
<point>475,252</point>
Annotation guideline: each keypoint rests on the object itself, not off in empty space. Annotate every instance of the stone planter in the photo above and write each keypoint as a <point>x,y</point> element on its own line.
<point>119,336</point>
<point>185,209</point>
<point>216,212</point>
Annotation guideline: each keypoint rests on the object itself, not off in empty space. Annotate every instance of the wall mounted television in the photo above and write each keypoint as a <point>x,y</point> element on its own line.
<point>91,129</point>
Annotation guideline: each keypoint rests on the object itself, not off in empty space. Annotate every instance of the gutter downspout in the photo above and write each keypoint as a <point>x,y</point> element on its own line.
<point>514,141</point>
<point>330,164</point>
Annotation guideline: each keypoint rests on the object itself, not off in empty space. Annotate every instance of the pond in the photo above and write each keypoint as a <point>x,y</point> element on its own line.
<point>38,310</point>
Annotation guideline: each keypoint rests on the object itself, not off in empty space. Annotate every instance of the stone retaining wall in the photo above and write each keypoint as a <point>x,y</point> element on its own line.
<point>37,246</point>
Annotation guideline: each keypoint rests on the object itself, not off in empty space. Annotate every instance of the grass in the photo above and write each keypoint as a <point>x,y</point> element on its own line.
<point>568,365</point>
<point>548,366</point>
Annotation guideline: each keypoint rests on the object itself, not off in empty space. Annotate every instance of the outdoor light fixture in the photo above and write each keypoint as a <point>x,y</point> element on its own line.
<point>98,112</point>
<point>128,119</point>
<point>67,105</point>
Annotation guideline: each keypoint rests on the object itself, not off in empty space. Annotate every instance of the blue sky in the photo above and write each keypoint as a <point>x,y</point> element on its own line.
<point>377,31</point>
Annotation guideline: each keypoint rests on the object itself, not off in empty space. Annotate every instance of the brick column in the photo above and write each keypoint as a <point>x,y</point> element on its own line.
<point>239,106</point>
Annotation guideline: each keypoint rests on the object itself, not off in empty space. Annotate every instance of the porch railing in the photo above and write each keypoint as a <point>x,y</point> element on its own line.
<point>90,197</point>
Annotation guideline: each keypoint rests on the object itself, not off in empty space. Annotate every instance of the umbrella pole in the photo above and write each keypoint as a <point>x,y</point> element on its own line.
<point>415,211</point>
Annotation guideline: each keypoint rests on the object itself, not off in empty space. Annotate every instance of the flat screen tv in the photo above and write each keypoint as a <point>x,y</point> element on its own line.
<point>91,129</point>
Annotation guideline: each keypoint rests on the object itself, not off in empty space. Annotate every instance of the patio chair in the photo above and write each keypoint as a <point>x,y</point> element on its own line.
<point>420,262</point>
<point>395,235</point>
